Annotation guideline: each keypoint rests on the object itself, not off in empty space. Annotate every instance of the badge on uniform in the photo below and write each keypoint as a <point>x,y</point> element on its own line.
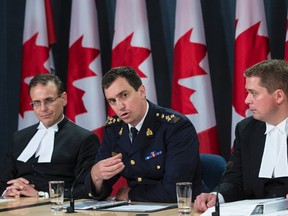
<point>149,132</point>
<point>153,154</point>
<point>121,131</point>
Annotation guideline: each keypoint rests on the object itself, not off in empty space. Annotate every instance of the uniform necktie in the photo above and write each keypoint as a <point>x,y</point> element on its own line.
<point>134,132</point>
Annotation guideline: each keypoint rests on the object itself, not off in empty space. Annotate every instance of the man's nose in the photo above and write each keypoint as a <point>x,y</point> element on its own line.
<point>43,105</point>
<point>120,104</point>
<point>247,99</point>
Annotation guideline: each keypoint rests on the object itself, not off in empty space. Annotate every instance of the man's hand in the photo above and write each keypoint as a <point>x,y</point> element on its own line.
<point>106,169</point>
<point>20,187</point>
<point>204,201</point>
<point>122,194</point>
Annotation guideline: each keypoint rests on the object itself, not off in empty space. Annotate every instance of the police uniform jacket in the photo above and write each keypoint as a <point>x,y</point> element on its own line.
<point>165,151</point>
<point>73,146</point>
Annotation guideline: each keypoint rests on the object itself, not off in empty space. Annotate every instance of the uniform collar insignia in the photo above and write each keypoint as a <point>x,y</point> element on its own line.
<point>121,131</point>
<point>149,132</point>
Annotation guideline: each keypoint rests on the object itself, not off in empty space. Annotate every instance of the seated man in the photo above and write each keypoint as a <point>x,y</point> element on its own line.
<point>164,149</point>
<point>259,160</point>
<point>53,149</point>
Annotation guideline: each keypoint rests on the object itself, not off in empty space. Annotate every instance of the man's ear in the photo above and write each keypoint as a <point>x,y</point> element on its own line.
<point>280,95</point>
<point>142,91</point>
<point>64,98</point>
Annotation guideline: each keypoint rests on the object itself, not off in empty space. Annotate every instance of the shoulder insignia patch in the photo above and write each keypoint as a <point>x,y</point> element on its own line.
<point>112,120</point>
<point>169,118</point>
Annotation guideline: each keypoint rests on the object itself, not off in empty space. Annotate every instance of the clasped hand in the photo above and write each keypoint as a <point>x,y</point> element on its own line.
<point>20,187</point>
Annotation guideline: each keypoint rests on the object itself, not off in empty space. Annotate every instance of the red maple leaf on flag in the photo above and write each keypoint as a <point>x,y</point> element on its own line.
<point>33,60</point>
<point>187,57</point>
<point>79,60</point>
<point>126,55</point>
<point>251,49</point>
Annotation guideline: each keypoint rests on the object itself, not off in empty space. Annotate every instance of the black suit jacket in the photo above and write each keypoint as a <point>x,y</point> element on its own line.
<point>73,146</point>
<point>242,181</point>
<point>165,151</point>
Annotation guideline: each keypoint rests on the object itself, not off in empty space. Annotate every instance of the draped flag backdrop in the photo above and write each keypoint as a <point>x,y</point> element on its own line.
<point>192,90</point>
<point>38,35</point>
<point>251,47</point>
<point>84,69</point>
<point>190,54</point>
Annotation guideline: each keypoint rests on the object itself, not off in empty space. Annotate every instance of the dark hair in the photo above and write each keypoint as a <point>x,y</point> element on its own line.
<point>44,79</point>
<point>273,74</point>
<point>123,71</point>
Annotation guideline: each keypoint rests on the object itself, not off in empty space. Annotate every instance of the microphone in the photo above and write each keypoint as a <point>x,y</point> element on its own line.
<point>217,204</point>
<point>71,208</point>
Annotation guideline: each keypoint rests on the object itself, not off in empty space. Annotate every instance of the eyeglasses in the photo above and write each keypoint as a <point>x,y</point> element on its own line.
<point>48,101</point>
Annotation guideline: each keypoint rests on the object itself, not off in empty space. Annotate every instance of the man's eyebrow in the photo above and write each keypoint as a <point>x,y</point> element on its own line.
<point>120,93</point>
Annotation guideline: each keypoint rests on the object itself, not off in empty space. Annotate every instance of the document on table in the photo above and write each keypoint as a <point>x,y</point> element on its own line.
<point>141,207</point>
<point>3,200</point>
<point>276,206</point>
<point>94,204</point>
<point>124,206</point>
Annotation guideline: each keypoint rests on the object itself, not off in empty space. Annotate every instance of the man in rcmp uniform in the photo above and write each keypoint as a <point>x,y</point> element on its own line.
<point>163,151</point>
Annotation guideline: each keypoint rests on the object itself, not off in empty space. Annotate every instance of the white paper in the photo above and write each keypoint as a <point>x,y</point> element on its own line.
<point>243,208</point>
<point>6,200</point>
<point>140,207</point>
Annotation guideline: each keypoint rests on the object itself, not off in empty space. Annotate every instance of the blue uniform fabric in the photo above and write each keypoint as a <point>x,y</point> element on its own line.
<point>165,151</point>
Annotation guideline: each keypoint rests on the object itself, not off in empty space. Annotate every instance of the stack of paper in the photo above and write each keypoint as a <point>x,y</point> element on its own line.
<point>276,206</point>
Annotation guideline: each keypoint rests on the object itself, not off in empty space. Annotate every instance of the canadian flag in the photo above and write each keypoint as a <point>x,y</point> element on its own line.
<point>286,42</point>
<point>86,104</point>
<point>251,47</point>
<point>191,85</point>
<point>37,36</point>
<point>131,43</point>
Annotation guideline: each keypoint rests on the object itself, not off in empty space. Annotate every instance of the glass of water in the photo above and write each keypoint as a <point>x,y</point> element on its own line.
<point>56,192</point>
<point>184,197</point>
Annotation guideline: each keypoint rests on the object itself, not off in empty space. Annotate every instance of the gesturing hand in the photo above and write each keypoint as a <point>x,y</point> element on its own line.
<point>106,169</point>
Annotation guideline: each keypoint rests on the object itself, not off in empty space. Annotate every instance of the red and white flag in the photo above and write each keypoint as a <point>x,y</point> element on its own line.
<point>37,36</point>
<point>251,47</point>
<point>191,85</point>
<point>131,42</point>
<point>86,104</point>
<point>286,42</point>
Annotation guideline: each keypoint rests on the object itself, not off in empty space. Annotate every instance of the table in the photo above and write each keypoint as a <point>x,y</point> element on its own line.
<point>40,207</point>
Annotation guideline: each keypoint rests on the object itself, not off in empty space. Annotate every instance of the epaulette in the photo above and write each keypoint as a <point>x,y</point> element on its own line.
<point>112,120</point>
<point>168,117</point>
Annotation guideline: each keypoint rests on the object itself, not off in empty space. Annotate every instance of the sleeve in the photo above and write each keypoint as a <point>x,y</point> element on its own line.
<point>103,153</point>
<point>232,186</point>
<point>10,169</point>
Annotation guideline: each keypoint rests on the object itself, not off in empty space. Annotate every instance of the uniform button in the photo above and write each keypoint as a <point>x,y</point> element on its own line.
<point>132,162</point>
<point>139,179</point>
<point>33,166</point>
<point>158,167</point>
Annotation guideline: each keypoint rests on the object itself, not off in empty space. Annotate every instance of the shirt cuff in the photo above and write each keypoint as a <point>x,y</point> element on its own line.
<point>220,197</point>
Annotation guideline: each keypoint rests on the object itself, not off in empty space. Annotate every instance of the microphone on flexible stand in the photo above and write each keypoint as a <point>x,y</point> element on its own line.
<point>217,204</point>
<point>71,208</point>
